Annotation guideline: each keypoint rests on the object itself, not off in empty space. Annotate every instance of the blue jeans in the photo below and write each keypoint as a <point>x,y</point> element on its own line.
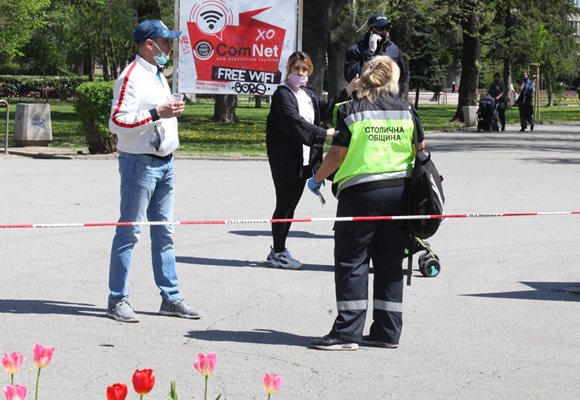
<point>147,194</point>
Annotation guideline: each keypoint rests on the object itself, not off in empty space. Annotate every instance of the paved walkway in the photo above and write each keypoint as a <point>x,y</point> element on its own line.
<point>501,321</point>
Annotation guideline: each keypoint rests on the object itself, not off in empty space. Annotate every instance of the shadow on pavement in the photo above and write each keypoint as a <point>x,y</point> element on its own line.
<point>553,160</point>
<point>257,336</point>
<point>294,234</point>
<point>561,142</point>
<point>547,291</point>
<point>8,306</point>
<point>217,262</point>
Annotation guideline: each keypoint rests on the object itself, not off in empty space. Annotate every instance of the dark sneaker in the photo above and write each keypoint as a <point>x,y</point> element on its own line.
<point>122,311</point>
<point>283,260</point>
<point>332,343</point>
<point>370,341</point>
<point>179,308</point>
<point>532,127</point>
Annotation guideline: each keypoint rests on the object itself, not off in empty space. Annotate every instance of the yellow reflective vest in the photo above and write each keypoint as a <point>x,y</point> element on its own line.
<point>381,145</point>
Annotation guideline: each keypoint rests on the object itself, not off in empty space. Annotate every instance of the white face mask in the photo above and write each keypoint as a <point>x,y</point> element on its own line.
<point>162,59</point>
<point>297,80</point>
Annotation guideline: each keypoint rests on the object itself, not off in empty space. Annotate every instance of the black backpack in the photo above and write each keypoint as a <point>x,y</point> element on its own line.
<point>425,194</point>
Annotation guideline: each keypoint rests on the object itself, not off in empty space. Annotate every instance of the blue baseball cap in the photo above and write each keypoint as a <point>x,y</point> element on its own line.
<point>153,29</point>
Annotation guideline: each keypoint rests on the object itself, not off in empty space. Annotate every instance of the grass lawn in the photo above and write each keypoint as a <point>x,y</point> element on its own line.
<point>198,134</point>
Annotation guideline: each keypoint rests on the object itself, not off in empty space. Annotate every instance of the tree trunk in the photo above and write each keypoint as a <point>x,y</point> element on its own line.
<point>341,36</point>
<point>225,108</point>
<point>91,67</point>
<point>257,101</point>
<point>471,50</point>
<point>402,32</point>
<point>417,91</point>
<point>317,35</point>
<point>507,59</point>
<point>548,84</point>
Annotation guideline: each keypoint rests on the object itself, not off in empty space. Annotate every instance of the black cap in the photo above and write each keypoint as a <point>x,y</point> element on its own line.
<point>378,21</point>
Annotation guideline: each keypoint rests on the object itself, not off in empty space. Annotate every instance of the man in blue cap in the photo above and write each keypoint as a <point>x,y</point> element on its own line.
<point>144,118</point>
<point>376,42</point>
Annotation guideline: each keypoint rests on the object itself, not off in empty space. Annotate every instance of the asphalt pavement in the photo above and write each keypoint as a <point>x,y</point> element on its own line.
<point>501,321</point>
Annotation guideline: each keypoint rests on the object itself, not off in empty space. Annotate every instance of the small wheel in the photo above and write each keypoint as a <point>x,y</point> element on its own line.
<point>430,267</point>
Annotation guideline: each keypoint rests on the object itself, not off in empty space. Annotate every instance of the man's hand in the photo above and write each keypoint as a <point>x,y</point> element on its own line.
<point>171,109</point>
<point>373,42</point>
<point>353,85</point>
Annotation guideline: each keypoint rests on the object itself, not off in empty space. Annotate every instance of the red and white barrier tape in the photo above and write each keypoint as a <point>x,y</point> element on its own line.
<point>268,221</point>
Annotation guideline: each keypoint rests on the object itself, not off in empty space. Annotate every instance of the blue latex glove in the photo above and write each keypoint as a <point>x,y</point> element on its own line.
<point>313,186</point>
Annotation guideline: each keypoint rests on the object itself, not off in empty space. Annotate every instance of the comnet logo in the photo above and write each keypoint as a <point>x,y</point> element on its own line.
<point>236,47</point>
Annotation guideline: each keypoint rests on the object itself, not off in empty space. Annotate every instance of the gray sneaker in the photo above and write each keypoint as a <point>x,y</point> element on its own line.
<point>283,260</point>
<point>179,308</point>
<point>122,311</point>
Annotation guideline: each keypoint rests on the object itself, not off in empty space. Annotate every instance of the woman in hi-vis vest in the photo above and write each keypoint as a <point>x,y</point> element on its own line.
<point>371,157</point>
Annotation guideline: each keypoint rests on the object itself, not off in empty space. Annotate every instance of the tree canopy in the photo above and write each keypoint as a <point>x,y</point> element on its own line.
<point>479,37</point>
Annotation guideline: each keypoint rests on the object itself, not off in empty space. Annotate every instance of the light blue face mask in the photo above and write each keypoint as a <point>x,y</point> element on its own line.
<point>162,59</point>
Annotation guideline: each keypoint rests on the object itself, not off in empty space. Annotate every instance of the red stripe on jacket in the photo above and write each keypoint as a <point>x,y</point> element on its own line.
<point>121,97</point>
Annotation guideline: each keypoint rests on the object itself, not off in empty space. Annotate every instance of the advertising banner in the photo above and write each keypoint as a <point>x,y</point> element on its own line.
<point>235,47</point>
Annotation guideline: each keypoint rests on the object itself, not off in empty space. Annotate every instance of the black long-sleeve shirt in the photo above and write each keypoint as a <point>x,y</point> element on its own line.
<point>287,131</point>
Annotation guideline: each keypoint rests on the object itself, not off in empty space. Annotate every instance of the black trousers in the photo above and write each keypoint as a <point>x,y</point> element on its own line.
<point>355,245</point>
<point>526,114</point>
<point>501,115</point>
<point>288,194</point>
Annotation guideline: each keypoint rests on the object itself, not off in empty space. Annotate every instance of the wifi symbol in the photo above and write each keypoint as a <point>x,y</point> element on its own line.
<point>211,17</point>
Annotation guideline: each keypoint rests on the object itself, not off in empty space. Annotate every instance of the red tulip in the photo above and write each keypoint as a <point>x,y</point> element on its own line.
<point>12,362</point>
<point>143,381</point>
<point>206,363</point>
<point>42,355</point>
<point>15,392</point>
<point>117,391</point>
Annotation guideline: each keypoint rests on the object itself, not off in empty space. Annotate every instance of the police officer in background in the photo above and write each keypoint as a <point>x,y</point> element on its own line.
<point>376,42</point>
<point>524,101</point>
<point>372,154</point>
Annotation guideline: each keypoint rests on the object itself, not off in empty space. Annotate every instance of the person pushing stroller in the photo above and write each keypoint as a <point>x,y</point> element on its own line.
<point>487,114</point>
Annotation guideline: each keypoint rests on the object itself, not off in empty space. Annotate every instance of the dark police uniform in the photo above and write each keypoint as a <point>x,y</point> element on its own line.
<point>370,180</point>
<point>525,104</point>
<point>359,53</point>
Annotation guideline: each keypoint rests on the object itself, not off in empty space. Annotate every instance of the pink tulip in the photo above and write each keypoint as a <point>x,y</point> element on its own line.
<point>42,355</point>
<point>12,362</point>
<point>206,363</point>
<point>15,392</point>
<point>272,383</point>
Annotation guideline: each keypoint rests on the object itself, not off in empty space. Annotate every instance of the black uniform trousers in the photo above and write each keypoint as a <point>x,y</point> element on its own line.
<point>355,245</point>
<point>526,114</point>
<point>501,115</point>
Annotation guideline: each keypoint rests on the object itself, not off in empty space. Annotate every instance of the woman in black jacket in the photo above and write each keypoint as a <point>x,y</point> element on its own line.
<point>294,141</point>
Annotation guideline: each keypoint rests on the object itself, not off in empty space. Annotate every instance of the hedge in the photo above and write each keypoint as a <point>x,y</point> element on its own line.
<point>36,86</point>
